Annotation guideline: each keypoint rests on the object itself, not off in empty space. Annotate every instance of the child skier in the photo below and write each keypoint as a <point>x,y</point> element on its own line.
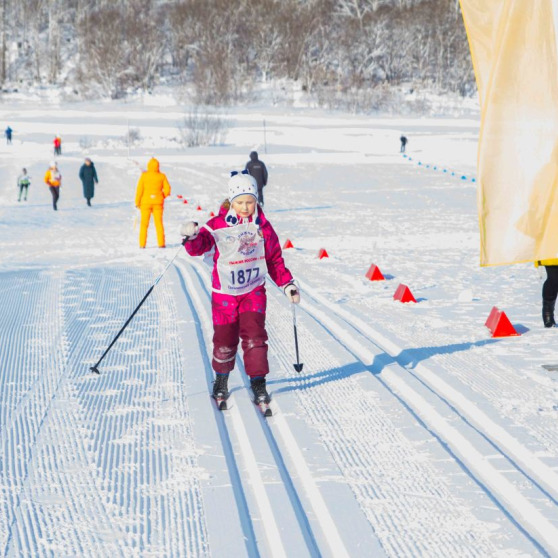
<point>246,249</point>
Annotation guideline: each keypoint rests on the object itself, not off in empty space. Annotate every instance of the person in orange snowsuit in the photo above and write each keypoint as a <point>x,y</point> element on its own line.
<point>53,179</point>
<point>153,188</point>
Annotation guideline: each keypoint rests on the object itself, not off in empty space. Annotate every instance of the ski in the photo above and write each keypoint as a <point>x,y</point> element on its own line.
<point>221,403</point>
<point>550,367</point>
<point>264,408</point>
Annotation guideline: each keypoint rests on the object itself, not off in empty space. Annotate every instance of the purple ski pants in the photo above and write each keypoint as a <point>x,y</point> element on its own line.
<point>235,318</point>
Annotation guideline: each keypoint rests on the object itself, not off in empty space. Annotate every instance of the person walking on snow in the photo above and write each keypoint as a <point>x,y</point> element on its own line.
<point>8,133</point>
<point>403,141</point>
<point>23,181</point>
<point>153,187</point>
<point>88,177</point>
<point>53,179</point>
<point>246,250</point>
<point>57,145</point>
<point>258,170</point>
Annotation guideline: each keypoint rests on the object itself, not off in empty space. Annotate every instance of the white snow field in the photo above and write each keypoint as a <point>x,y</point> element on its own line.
<point>410,431</point>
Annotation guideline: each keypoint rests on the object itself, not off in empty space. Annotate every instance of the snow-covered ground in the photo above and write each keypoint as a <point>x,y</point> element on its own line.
<point>410,431</point>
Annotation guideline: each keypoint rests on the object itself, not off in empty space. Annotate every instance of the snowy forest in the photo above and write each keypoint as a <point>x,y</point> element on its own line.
<point>346,53</point>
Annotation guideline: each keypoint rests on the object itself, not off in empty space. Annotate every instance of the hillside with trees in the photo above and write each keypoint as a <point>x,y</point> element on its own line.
<point>348,53</point>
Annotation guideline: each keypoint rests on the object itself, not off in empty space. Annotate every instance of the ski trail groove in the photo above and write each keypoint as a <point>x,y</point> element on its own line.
<point>275,546</point>
<point>370,450</point>
<point>511,499</point>
<point>232,466</point>
<point>331,536</point>
<point>495,433</point>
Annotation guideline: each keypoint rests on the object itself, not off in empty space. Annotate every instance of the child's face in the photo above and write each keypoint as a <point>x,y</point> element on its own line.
<point>244,205</point>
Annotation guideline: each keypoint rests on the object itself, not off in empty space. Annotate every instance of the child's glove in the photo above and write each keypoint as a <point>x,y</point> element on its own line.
<point>292,293</point>
<point>189,231</point>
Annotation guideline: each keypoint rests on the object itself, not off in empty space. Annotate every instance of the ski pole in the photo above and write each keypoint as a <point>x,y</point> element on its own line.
<point>95,368</point>
<point>298,366</point>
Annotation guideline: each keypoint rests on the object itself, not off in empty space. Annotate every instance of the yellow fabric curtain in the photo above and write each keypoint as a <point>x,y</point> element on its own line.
<point>514,49</point>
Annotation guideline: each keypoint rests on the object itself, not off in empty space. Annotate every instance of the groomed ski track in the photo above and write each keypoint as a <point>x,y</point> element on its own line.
<point>523,485</point>
<point>200,465</point>
<point>280,506</point>
<point>524,508</point>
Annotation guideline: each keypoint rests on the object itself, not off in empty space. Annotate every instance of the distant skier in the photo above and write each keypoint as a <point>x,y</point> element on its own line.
<point>153,187</point>
<point>57,145</point>
<point>53,179</point>
<point>403,141</point>
<point>258,170</point>
<point>8,133</point>
<point>88,177</point>
<point>549,291</point>
<point>23,182</point>
<point>246,250</point>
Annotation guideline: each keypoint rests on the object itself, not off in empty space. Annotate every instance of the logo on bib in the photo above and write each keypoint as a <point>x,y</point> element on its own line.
<point>247,244</point>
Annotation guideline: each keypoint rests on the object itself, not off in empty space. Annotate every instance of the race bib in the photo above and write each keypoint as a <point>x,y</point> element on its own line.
<point>241,265</point>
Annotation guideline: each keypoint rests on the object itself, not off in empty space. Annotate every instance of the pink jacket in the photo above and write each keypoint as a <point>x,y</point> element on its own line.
<point>204,242</point>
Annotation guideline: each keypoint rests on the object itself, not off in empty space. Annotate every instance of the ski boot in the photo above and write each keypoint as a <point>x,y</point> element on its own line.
<point>221,391</point>
<point>548,313</point>
<point>261,397</point>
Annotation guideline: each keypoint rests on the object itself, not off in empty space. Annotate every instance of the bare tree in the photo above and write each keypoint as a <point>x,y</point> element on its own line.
<point>119,51</point>
<point>3,17</point>
<point>53,39</point>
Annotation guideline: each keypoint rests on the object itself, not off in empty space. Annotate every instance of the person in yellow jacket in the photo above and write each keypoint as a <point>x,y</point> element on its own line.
<point>549,291</point>
<point>153,188</point>
<point>53,179</point>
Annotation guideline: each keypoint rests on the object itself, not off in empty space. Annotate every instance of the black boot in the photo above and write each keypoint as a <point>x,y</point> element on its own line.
<point>88,202</point>
<point>548,313</point>
<point>220,386</point>
<point>259,390</point>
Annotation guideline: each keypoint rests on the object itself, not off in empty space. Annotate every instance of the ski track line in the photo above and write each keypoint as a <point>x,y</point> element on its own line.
<point>50,470</point>
<point>490,380</point>
<point>395,499</point>
<point>358,461</point>
<point>229,455</point>
<point>256,484</point>
<point>319,507</point>
<point>544,475</point>
<point>513,501</point>
<point>325,521</point>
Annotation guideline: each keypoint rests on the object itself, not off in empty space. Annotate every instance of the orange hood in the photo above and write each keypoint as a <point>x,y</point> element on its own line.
<point>153,165</point>
<point>153,186</point>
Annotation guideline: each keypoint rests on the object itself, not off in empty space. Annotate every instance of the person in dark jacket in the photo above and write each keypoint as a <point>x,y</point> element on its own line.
<point>88,177</point>
<point>257,169</point>
<point>8,133</point>
<point>403,141</point>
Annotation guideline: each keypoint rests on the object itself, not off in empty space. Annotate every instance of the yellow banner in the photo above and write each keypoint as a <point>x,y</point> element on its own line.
<point>514,50</point>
